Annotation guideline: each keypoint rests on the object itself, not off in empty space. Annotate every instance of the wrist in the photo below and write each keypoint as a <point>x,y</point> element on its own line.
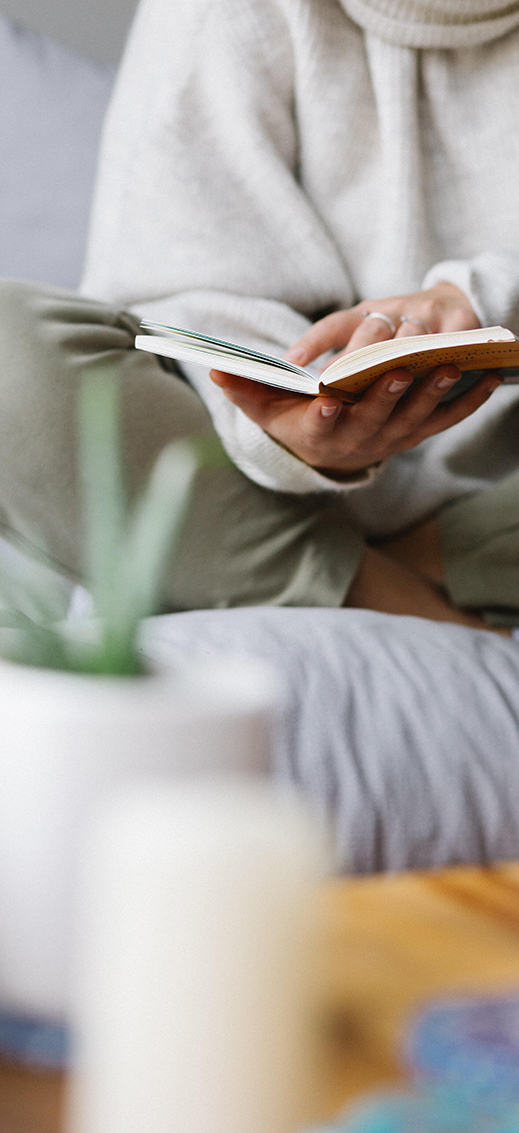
<point>367,471</point>
<point>453,281</point>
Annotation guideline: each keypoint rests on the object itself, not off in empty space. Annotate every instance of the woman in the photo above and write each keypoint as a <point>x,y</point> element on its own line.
<point>267,161</point>
<point>315,174</point>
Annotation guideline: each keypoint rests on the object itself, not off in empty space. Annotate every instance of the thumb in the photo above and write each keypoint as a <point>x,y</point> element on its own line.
<point>251,397</point>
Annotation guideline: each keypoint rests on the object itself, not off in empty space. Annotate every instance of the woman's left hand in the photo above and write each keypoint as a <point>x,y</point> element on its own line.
<point>340,440</point>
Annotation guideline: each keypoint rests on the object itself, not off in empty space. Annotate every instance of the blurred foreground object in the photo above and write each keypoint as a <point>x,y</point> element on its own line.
<point>69,741</point>
<point>390,944</point>
<point>126,548</point>
<point>85,711</point>
<point>435,1111</point>
<point>196,992</point>
<point>470,1045</point>
<point>463,1055</point>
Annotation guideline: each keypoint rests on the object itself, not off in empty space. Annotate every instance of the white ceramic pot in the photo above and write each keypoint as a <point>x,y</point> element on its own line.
<point>67,740</point>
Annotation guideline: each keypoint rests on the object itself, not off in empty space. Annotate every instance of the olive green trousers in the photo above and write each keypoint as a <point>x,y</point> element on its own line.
<point>240,545</point>
<point>480,539</point>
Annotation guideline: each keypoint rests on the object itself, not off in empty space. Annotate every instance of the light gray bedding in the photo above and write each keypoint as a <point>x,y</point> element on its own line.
<point>406,731</point>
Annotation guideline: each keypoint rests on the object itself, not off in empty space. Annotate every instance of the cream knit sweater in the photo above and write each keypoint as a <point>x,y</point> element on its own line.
<point>267,160</point>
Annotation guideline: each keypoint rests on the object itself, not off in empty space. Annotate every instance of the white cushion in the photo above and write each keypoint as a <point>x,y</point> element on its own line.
<point>52,104</point>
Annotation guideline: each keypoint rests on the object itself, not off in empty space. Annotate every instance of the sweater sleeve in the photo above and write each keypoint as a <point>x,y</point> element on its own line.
<point>490,281</point>
<point>199,219</point>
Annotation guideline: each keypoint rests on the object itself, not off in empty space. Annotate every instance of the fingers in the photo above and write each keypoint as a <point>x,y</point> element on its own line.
<point>236,388</point>
<point>371,330</point>
<point>451,413</point>
<point>254,398</point>
<point>427,317</point>
<point>441,308</point>
<point>414,325</point>
<point>421,414</point>
<point>424,399</point>
<point>403,423</point>
<point>369,415</point>
<point>344,331</point>
<point>330,333</point>
<point>318,416</point>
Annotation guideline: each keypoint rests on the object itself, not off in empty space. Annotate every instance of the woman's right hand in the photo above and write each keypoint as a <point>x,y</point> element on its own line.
<point>440,309</point>
<point>340,440</point>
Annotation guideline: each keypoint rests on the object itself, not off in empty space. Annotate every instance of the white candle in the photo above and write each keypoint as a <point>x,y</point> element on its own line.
<point>194,997</point>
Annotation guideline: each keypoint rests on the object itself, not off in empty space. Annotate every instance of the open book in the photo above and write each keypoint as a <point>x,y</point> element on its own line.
<point>489,348</point>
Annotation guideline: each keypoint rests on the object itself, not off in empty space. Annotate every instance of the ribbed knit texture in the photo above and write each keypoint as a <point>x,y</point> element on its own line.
<point>265,160</point>
<point>435,23</point>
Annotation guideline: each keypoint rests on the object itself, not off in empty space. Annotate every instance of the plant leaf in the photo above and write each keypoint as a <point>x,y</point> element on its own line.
<point>125,560</point>
<point>155,524</point>
<point>30,583</point>
<point>102,484</point>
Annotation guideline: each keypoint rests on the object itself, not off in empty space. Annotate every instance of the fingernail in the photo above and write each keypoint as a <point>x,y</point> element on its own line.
<point>296,354</point>
<point>328,410</point>
<point>397,387</point>
<point>446,383</point>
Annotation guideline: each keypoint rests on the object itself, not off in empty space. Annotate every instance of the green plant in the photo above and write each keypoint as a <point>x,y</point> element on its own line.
<point>125,550</point>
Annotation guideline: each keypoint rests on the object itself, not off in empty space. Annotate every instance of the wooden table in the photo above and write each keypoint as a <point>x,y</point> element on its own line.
<point>391,943</point>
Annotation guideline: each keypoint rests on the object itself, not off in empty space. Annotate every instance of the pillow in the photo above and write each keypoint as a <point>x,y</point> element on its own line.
<point>52,104</point>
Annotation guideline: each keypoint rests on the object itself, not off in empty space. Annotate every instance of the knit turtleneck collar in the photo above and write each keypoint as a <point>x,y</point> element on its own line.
<point>435,23</point>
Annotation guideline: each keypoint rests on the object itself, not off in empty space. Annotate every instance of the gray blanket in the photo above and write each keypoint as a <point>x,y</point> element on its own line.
<point>405,731</point>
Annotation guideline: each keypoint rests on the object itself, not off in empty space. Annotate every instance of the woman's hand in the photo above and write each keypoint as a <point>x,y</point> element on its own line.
<point>339,439</point>
<point>442,308</point>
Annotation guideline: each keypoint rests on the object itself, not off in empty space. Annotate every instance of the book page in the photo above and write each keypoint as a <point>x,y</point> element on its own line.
<point>349,375</point>
<point>273,371</point>
<point>420,355</point>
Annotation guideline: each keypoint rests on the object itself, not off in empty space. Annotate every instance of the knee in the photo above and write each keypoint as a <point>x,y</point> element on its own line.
<point>46,330</point>
<point>13,291</point>
<point>15,300</point>
<point>18,340</point>
<point>23,307</point>
<point>34,355</point>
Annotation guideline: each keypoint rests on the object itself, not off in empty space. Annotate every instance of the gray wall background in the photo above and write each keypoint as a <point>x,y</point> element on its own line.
<point>95,27</point>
